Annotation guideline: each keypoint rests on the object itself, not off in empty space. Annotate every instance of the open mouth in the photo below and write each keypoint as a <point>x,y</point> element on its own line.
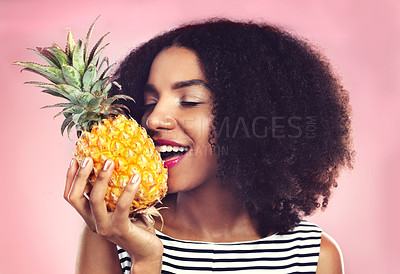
<point>171,152</point>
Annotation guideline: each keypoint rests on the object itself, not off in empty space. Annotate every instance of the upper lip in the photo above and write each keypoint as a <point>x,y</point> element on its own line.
<point>164,142</point>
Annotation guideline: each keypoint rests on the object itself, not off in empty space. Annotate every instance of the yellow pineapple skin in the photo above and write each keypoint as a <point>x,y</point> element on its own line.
<point>125,142</point>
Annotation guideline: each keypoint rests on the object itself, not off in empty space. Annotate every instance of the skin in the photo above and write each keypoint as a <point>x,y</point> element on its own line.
<point>104,230</point>
<point>198,193</point>
<point>178,108</point>
<point>200,207</point>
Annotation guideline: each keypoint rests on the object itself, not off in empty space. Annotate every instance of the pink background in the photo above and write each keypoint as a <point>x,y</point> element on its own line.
<point>40,231</point>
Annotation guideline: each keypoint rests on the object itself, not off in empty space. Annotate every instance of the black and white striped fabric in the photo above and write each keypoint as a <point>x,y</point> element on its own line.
<point>296,251</point>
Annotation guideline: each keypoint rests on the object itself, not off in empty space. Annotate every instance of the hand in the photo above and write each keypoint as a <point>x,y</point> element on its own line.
<point>137,238</point>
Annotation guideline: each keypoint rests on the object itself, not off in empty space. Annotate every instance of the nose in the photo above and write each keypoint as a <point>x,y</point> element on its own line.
<point>159,120</point>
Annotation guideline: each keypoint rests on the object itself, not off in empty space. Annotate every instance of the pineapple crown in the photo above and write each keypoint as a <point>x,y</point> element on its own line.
<point>82,78</point>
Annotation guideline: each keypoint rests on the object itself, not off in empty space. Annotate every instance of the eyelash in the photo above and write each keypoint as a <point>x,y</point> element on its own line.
<point>184,104</point>
<point>190,104</point>
<point>145,107</point>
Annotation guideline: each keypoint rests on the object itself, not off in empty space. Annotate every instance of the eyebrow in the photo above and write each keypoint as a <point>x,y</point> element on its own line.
<point>178,85</point>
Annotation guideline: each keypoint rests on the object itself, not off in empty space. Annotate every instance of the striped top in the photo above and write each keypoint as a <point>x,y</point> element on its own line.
<point>296,251</point>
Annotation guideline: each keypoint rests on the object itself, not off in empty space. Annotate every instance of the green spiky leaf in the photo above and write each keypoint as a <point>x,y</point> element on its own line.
<point>62,112</point>
<point>93,51</point>
<point>95,103</point>
<point>92,116</point>
<point>96,57</point>
<point>76,117</point>
<point>107,88</point>
<point>56,91</point>
<point>118,109</point>
<point>77,57</point>
<point>36,83</point>
<point>61,56</point>
<point>80,78</point>
<point>86,45</point>
<point>69,48</point>
<point>66,122</point>
<point>72,76</point>
<point>109,101</point>
<point>71,90</point>
<point>104,61</point>
<point>51,73</point>
<point>85,98</point>
<point>89,77</point>
<point>97,88</point>
<point>47,56</point>
<point>87,119</point>
<point>63,105</point>
<point>74,110</point>
<point>70,126</point>
<point>107,71</point>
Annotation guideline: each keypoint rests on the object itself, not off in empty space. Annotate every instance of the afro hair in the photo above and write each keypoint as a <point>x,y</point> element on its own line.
<point>281,116</point>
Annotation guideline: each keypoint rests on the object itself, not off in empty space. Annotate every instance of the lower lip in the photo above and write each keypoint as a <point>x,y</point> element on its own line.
<point>171,163</point>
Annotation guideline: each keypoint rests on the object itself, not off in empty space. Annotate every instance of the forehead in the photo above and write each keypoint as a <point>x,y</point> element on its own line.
<point>175,64</point>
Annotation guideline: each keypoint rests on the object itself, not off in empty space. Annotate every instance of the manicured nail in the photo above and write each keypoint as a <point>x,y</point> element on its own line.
<point>84,162</point>
<point>71,163</point>
<point>135,179</point>
<point>107,164</point>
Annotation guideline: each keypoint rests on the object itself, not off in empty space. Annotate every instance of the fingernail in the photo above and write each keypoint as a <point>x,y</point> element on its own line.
<point>84,162</point>
<point>135,179</point>
<point>107,164</point>
<point>71,163</point>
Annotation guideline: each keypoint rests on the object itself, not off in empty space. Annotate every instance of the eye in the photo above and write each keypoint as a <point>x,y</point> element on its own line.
<point>148,106</point>
<point>149,101</point>
<point>190,104</point>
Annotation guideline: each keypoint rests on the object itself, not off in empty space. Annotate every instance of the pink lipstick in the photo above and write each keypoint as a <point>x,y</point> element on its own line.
<point>172,151</point>
<point>170,163</point>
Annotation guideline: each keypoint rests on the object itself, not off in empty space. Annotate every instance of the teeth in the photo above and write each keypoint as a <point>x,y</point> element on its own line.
<point>171,148</point>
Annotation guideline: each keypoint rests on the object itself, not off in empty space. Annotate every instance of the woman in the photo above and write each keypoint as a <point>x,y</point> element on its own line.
<point>266,124</point>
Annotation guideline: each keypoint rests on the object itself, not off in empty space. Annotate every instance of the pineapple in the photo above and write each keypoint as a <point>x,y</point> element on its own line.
<point>79,76</point>
<point>133,152</point>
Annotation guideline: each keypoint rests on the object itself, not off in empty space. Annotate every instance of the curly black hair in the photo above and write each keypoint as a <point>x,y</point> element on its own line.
<point>282,118</point>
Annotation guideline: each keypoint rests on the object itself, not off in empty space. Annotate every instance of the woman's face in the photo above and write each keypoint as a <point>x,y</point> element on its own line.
<point>178,118</point>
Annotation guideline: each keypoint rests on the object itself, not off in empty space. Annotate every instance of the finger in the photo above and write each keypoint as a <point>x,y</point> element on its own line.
<point>125,200</point>
<point>98,193</point>
<point>76,195</point>
<point>70,178</point>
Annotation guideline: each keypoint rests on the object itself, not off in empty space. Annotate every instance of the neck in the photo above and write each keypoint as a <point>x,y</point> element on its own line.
<point>210,213</point>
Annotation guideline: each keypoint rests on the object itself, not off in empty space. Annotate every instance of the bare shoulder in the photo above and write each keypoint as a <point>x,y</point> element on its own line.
<point>330,257</point>
<point>96,255</point>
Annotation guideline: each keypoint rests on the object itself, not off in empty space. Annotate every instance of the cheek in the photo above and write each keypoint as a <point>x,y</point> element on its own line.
<point>205,161</point>
<point>198,127</point>
<point>203,140</point>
